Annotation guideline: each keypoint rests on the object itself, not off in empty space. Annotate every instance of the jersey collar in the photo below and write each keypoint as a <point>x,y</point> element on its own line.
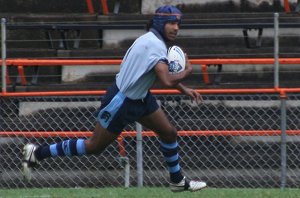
<point>157,34</point>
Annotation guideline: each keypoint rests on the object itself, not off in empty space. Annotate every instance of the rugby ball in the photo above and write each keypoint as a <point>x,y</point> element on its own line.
<point>176,59</point>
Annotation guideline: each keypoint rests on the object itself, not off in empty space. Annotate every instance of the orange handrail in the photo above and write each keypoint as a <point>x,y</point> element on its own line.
<point>48,62</point>
<point>104,7</point>
<point>280,91</point>
<point>90,6</point>
<point>122,150</point>
<point>22,75</point>
<point>67,62</point>
<point>287,8</point>
<point>215,61</point>
<point>203,62</point>
<point>72,134</point>
<point>205,74</point>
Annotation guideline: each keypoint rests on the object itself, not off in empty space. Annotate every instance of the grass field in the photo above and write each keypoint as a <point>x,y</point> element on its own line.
<point>147,193</point>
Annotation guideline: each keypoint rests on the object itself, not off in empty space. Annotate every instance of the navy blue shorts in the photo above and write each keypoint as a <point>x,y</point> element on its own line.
<point>117,111</point>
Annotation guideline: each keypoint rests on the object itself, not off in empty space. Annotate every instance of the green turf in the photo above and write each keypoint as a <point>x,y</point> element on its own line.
<point>148,193</point>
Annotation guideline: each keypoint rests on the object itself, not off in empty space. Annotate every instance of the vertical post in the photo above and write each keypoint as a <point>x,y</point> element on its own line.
<point>90,6</point>
<point>276,50</point>
<point>139,154</point>
<point>283,154</point>
<point>104,7</point>
<point>124,162</point>
<point>3,54</point>
<point>117,7</point>
<point>205,74</point>
<point>287,8</point>
<point>298,6</point>
<point>126,172</point>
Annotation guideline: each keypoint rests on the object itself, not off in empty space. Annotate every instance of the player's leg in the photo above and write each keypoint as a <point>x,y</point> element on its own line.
<point>106,131</point>
<point>159,123</point>
<point>100,139</point>
<point>33,154</point>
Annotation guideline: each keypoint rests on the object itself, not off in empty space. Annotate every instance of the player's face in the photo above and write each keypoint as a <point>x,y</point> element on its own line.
<point>171,30</point>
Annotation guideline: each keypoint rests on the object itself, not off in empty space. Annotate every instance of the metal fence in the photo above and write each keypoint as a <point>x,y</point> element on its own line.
<point>229,140</point>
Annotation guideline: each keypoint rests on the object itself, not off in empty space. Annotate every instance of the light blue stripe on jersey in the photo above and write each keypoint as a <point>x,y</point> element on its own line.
<point>111,109</point>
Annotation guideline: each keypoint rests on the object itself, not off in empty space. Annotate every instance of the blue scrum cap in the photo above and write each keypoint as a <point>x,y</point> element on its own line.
<point>165,14</point>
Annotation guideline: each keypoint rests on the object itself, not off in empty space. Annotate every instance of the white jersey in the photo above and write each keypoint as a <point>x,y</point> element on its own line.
<point>137,73</point>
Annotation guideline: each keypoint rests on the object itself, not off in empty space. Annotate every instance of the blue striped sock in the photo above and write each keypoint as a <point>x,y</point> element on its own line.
<point>65,148</point>
<point>170,152</point>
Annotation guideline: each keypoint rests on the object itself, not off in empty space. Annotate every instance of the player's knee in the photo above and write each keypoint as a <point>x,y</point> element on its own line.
<point>169,135</point>
<point>93,148</point>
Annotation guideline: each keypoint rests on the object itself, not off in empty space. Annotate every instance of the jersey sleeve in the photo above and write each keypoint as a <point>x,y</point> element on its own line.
<point>158,54</point>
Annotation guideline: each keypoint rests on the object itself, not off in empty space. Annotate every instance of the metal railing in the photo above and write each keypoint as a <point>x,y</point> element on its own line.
<point>237,139</point>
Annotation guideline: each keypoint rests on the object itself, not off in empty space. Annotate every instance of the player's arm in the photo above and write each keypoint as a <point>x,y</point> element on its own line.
<point>170,80</point>
<point>192,93</point>
<point>173,80</point>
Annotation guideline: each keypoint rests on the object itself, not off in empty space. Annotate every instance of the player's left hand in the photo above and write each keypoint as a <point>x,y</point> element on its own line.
<point>195,96</point>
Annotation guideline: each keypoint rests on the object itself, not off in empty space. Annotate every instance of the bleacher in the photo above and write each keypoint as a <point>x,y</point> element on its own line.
<point>81,36</point>
<point>90,36</point>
